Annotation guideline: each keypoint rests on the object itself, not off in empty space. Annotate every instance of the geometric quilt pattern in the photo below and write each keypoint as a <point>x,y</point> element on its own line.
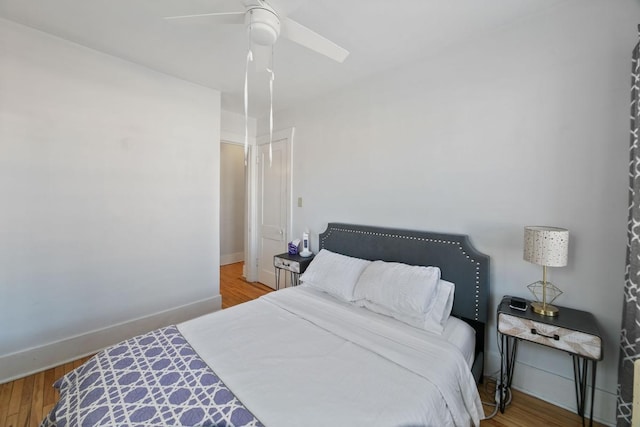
<point>152,379</point>
<point>630,331</point>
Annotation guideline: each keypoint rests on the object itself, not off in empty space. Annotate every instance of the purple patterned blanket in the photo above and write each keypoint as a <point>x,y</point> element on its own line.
<point>151,379</point>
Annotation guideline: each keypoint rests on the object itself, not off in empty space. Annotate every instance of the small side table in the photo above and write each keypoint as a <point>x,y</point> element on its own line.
<point>294,264</point>
<point>573,331</point>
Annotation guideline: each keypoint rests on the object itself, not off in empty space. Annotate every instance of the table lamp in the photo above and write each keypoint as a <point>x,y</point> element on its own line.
<point>548,247</point>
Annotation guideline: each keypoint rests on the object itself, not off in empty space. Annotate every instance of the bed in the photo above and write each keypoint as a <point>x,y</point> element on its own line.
<point>315,355</point>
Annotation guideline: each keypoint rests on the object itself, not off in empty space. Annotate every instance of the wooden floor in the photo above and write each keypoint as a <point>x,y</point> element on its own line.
<point>26,401</point>
<point>235,290</point>
<point>527,411</point>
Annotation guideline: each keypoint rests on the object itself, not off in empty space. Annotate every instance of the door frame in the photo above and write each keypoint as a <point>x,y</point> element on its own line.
<point>252,254</point>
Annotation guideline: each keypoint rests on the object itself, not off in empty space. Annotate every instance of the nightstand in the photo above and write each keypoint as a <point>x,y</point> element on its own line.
<point>573,331</point>
<point>294,264</point>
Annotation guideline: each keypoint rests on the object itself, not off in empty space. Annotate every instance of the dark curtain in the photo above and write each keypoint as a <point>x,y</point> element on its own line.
<point>630,332</point>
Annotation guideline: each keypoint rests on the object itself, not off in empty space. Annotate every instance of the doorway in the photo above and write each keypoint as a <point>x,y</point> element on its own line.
<point>233,195</point>
<point>262,185</point>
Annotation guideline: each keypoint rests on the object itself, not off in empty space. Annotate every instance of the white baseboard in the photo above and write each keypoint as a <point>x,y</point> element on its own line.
<point>231,258</point>
<point>36,359</point>
<point>557,390</point>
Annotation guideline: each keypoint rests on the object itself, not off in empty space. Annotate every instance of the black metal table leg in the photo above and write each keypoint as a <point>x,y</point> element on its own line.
<point>576,380</point>
<point>594,364</point>
<point>502,363</point>
<point>512,362</point>
<point>580,368</point>
<point>509,350</point>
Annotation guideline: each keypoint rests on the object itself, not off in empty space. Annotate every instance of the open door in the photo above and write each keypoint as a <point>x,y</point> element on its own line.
<point>274,205</point>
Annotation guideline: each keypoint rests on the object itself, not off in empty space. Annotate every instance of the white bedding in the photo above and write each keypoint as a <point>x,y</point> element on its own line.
<point>463,336</point>
<point>300,357</point>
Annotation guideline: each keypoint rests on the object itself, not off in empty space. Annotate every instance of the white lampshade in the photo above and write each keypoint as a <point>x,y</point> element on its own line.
<point>547,246</point>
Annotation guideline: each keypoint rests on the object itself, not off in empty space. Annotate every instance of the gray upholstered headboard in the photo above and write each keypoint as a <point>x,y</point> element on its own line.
<point>458,260</point>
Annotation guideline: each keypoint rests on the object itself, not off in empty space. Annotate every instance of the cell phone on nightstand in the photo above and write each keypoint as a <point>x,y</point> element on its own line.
<point>518,303</point>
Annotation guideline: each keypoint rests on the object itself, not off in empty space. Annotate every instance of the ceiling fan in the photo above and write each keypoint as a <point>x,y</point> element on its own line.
<point>265,25</point>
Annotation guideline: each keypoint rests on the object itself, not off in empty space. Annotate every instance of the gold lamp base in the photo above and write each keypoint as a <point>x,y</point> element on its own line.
<point>544,309</point>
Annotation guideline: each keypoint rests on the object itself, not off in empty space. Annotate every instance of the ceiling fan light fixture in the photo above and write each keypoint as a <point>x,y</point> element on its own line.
<point>263,25</point>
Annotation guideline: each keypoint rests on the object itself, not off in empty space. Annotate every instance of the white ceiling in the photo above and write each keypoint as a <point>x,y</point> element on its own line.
<point>380,34</point>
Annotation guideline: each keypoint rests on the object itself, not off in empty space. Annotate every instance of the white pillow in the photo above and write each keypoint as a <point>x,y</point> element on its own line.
<point>443,303</point>
<point>334,273</point>
<point>406,289</point>
<point>434,321</point>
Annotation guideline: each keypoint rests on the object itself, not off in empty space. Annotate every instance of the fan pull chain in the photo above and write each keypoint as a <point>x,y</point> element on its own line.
<point>246,101</point>
<point>271,78</point>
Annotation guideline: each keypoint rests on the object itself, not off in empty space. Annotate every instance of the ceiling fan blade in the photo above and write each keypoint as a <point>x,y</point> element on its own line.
<point>310,39</point>
<point>218,18</point>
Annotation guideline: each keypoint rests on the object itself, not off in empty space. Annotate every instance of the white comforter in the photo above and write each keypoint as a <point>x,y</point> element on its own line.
<point>298,357</point>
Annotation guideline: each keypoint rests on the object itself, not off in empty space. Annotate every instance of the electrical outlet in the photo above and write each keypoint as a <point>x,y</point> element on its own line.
<point>299,202</point>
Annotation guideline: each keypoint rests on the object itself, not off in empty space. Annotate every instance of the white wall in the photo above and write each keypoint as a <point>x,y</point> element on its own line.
<point>232,127</point>
<point>109,181</point>
<point>525,126</point>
